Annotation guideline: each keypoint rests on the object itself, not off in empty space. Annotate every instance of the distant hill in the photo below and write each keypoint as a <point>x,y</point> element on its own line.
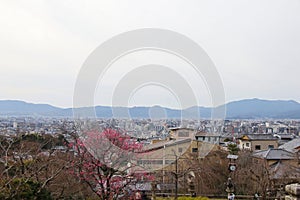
<point>243,109</point>
<point>14,107</point>
<point>258,108</point>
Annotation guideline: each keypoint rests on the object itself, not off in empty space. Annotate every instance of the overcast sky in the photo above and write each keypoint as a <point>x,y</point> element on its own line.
<point>255,46</point>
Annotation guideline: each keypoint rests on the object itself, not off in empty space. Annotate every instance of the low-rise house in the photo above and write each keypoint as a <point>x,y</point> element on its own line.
<point>282,167</point>
<point>181,146</point>
<point>180,133</point>
<point>257,142</point>
<point>282,173</point>
<point>213,138</point>
<point>284,138</point>
<point>164,153</point>
<point>175,156</point>
<point>292,146</point>
<point>272,156</point>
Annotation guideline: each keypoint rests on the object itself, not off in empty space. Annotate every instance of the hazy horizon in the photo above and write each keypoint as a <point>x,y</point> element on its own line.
<point>178,108</point>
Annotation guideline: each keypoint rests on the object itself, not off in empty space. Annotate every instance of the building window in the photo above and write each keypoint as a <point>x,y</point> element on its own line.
<point>150,162</point>
<point>247,144</point>
<point>168,162</point>
<point>183,134</point>
<point>180,150</point>
<point>257,147</point>
<point>194,150</point>
<point>271,146</point>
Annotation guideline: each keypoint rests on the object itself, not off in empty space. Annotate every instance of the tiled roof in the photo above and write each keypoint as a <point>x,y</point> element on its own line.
<point>291,145</point>
<point>285,136</point>
<point>259,137</point>
<point>180,128</point>
<point>159,145</point>
<point>281,170</point>
<point>274,154</point>
<point>207,134</point>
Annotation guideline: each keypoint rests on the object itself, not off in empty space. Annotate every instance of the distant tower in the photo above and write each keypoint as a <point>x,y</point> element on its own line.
<point>15,125</point>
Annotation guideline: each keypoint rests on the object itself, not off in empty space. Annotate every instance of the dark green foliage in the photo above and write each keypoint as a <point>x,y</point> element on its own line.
<point>233,148</point>
<point>227,140</point>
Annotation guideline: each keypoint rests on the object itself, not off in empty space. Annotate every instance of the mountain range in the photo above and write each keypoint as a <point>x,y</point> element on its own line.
<point>243,109</point>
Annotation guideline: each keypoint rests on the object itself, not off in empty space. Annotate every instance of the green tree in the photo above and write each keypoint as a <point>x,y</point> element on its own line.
<point>233,148</point>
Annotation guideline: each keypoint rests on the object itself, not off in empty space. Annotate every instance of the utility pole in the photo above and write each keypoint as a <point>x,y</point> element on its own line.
<point>176,178</point>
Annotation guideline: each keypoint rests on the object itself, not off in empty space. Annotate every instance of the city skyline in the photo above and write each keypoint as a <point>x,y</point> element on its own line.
<point>254,46</point>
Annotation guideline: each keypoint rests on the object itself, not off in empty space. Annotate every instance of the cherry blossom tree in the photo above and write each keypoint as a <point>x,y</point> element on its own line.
<point>106,161</point>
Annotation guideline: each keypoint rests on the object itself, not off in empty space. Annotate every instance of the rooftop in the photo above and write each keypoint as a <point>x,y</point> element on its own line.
<point>207,134</point>
<point>258,137</point>
<point>180,128</point>
<point>281,170</point>
<point>165,143</point>
<point>292,146</point>
<point>274,154</point>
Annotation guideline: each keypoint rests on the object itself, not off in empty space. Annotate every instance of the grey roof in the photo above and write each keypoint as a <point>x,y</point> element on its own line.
<point>291,145</point>
<point>282,170</point>
<point>145,186</point>
<point>285,136</point>
<point>260,137</point>
<point>199,134</point>
<point>180,128</point>
<point>166,143</point>
<point>166,186</point>
<point>274,154</point>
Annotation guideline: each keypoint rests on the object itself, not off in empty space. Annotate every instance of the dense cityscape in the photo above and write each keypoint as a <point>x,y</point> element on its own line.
<point>183,157</point>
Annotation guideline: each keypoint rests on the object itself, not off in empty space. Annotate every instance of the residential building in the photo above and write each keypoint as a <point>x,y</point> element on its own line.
<point>292,146</point>
<point>213,138</point>
<point>256,142</point>
<point>179,133</point>
<point>274,155</point>
<point>282,166</point>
